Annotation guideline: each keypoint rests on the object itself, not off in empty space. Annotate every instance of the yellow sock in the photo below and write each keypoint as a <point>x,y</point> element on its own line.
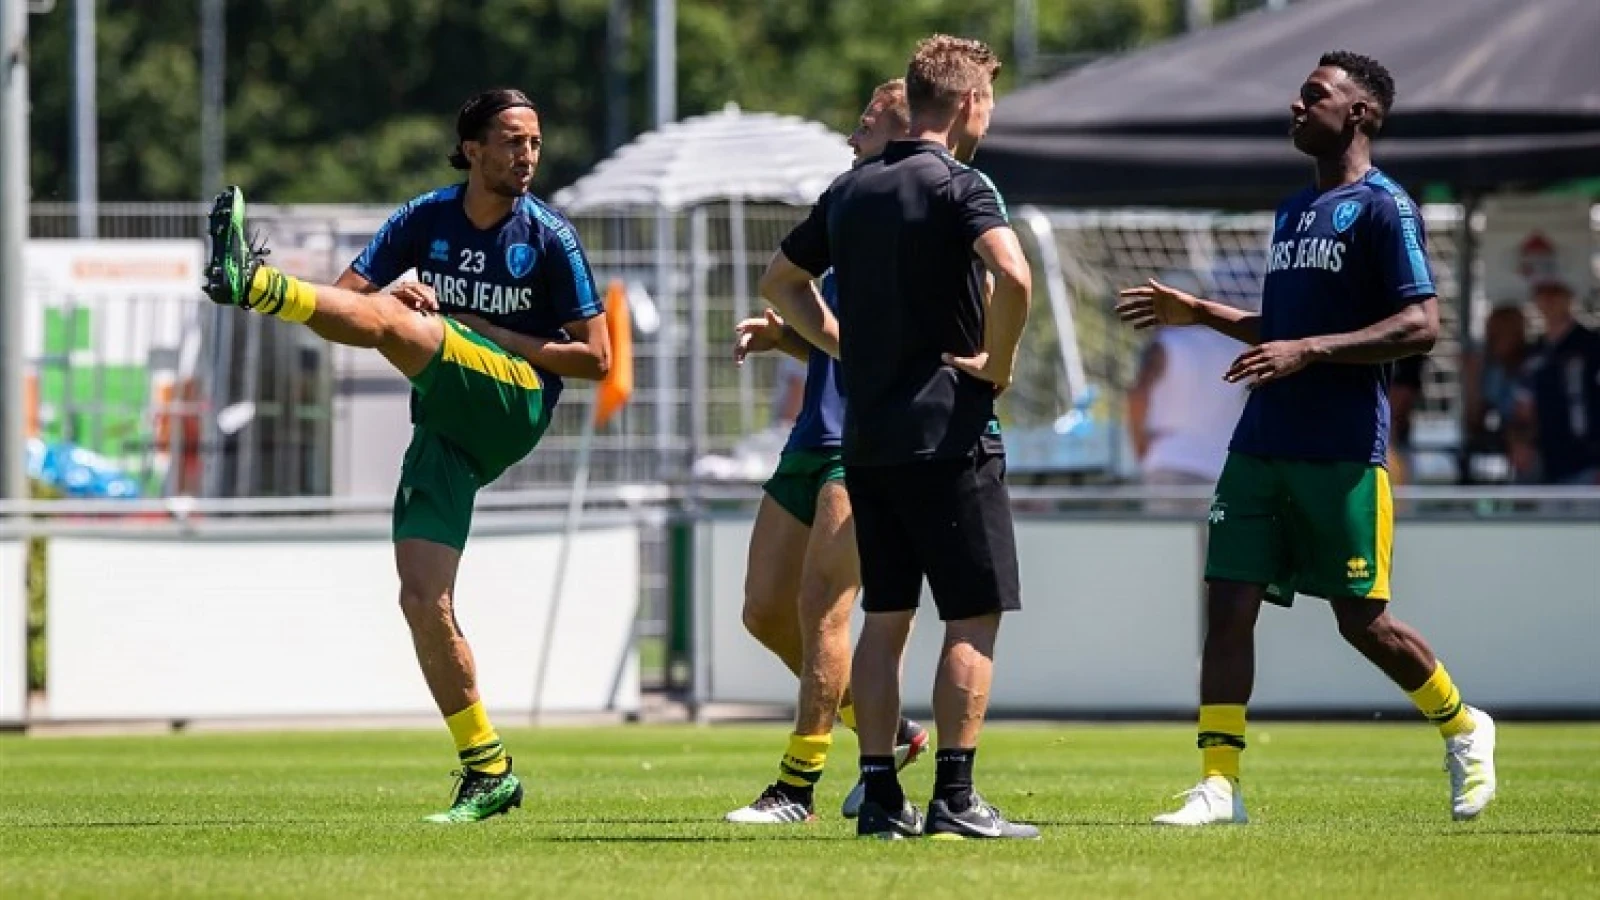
<point>847,715</point>
<point>1440,701</point>
<point>284,296</point>
<point>476,741</point>
<point>1221,739</point>
<point>803,761</point>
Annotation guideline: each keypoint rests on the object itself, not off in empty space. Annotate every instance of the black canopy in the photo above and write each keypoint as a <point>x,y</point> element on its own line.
<point>1490,93</point>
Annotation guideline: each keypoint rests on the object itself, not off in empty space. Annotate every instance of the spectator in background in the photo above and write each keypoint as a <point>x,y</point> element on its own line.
<point>1490,381</point>
<point>1181,413</point>
<point>1560,395</point>
<point>1405,395</point>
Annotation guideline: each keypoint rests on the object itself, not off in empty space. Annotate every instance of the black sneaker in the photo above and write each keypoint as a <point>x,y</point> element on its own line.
<point>232,264</point>
<point>774,807</point>
<point>977,822</point>
<point>877,822</point>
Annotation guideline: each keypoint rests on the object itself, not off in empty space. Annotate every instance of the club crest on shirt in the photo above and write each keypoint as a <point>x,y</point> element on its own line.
<point>1344,215</point>
<point>519,260</point>
<point>440,251</point>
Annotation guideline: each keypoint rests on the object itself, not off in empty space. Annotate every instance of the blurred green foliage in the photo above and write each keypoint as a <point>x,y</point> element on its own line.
<point>354,100</point>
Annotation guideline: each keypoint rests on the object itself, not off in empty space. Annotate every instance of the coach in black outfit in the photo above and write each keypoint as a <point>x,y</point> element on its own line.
<point>909,235</point>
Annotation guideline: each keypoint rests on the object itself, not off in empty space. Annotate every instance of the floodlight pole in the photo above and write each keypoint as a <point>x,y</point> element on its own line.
<point>85,128</point>
<point>666,62</point>
<point>1025,38</point>
<point>14,199</point>
<point>665,83</point>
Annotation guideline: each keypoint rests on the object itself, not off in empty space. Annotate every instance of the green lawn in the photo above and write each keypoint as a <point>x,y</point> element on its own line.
<point>1340,811</point>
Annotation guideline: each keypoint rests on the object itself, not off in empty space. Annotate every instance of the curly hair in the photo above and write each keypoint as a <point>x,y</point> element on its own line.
<point>1370,75</point>
<point>944,69</point>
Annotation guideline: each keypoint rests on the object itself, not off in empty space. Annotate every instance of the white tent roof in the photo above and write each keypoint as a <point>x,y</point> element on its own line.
<point>728,155</point>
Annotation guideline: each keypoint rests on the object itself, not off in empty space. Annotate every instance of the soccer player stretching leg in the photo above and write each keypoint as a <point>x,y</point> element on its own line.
<point>803,573</point>
<point>1304,503</point>
<point>519,312</point>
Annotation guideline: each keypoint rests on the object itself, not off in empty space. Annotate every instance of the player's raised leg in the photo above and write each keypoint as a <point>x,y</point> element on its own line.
<point>236,276</point>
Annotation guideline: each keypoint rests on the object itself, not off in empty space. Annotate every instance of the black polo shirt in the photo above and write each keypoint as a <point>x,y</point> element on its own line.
<point>898,231</point>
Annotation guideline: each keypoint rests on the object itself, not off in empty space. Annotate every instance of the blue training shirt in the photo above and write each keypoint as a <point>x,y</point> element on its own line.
<point>1340,261</point>
<point>528,273</point>
<point>820,425</point>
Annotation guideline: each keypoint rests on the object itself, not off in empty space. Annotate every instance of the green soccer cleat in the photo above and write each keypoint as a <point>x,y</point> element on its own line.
<point>479,796</point>
<point>233,262</point>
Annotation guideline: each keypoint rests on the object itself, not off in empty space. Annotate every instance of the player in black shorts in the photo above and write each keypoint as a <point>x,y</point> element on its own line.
<point>909,235</point>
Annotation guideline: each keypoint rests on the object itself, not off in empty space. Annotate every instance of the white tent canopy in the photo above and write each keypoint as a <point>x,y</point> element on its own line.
<point>727,155</point>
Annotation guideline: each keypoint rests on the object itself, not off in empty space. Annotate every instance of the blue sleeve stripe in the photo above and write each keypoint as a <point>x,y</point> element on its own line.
<point>998,198</point>
<point>582,277</point>
<point>366,265</point>
<point>1406,209</point>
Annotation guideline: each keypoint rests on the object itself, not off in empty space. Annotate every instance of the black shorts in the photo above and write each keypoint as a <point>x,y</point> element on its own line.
<point>948,520</point>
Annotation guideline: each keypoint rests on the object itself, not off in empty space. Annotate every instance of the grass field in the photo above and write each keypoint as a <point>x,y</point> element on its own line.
<point>1339,810</point>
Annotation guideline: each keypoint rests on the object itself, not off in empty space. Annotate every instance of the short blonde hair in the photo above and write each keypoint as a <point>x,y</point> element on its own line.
<point>892,95</point>
<point>944,69</point>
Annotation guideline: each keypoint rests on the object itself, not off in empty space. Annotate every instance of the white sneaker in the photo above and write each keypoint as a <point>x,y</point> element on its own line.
<point>910,744</point>
<point>1469,758</point>
<point>773,807</point>
<point>1214,801</point>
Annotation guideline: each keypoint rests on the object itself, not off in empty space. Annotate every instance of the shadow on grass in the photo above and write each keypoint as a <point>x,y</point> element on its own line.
<point>202,823</point>
<point>742,837</point>
<point>1552,831</point>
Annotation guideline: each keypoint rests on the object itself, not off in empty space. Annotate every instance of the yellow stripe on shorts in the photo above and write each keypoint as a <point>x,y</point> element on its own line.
<point>502,367</point>
<point>1385,536</point>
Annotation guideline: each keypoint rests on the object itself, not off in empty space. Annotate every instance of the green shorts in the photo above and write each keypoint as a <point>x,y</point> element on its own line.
<point>1320,528</point>
<point>478,410</point>
<point>799,479</point>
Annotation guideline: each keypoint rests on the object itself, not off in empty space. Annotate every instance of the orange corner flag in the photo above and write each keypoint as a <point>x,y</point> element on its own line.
<point>617,386</point>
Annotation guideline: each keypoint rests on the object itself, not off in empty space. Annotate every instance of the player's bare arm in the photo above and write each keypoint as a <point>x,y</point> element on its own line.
<point>1153,303</point>
<point>791,290</point>
<point>1408,332</point>
<point>1008,308</point>
<point>351,280</point>
<point>765,334</point>
<point>414,294</point>
<point>586,355</point>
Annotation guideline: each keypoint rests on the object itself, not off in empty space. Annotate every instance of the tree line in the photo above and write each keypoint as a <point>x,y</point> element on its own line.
<point>354,100</point>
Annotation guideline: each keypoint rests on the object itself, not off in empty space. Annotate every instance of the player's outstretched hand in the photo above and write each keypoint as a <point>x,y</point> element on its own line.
<point>756,336</point>
<point>1269,362</point>
<point>418,296</point>
<point>1153,303</point>
<point>980,367</point>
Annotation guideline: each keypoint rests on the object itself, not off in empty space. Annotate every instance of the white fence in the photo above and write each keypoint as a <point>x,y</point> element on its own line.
<point>290,611</point>
<point>1112,621</point>
<point>235,618</point>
